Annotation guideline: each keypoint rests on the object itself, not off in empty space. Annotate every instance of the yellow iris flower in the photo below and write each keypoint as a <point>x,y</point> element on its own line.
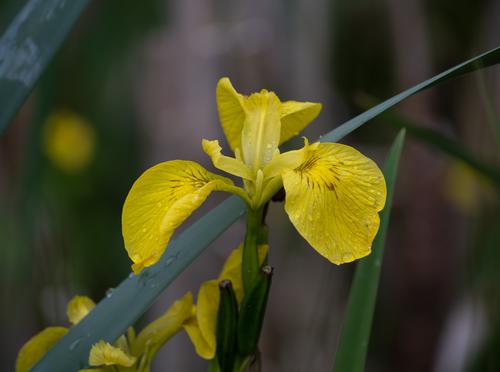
<point>130,353</point>
<point>333,192</point>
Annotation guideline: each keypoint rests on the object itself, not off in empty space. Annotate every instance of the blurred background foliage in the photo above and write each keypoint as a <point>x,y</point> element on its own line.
<point>140,77</point>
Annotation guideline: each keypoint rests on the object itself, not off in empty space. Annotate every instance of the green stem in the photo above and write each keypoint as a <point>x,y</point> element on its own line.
<point>250,260</point>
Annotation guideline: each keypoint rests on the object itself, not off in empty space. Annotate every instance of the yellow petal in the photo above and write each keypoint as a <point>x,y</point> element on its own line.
<point>230,165</point>
<point>37,346</point>
<point>202,330</point>
<point>122,343</point>
<point>78,308</point>
<point>201,347</point>
<point>232,268</point>
<point>286,160</point>
<point>261,130</point>
<point>279,164</point>
<point>158,332</point>
<point>271,187</point>
<point>160,200</point>
<point>295,116</point>
<point>106,354</point>
<point>333,200</point>
<point>231,113</point>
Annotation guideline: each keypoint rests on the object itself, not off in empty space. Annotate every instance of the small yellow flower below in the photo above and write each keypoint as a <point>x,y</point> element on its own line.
<point>106,354</point>
<point>201,327</point>
<point>37,346</point>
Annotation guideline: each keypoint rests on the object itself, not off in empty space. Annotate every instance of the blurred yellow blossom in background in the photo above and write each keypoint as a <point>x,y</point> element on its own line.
<point>69,141</point>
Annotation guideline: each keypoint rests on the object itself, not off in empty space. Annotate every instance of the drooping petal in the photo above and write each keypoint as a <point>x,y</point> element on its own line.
<point>333,200</point>
<point>295,116</point>
<point>160,200</point>
<point>158,332</point>
<point>37,346</point>
<point>232,269</point>
<point>231,112</point>
<point>78,308</point>
<point>105,354</point>
<point>229,165</point>
<point>261,130</point>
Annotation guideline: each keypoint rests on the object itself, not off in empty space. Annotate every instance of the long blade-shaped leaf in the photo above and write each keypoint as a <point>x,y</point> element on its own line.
<point>27,47</point>
<point>489,58</point>
<point>353,344</point>
<point>109,319</point>
<point>129,300</point>
<point>446,145</point>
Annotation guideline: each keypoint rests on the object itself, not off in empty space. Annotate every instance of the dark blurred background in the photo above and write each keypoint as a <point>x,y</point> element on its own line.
<point>135,85</point>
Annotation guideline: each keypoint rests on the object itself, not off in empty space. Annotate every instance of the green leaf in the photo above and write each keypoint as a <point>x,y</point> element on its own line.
<point>444,144</point>
<point>353,343</point>
<point>126,303</point>
<point>489,58</point>
<point>108,320</point>
<point>27,47</point>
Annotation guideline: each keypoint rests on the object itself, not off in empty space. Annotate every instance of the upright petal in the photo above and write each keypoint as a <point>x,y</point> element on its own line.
<point>78,308</point>
<point>261,129</point>
<point>37,346</point>
<point>295,116</point>
<point>160,200</point>
<point>105,354</point>
<point>158,332</point>
<point>201,330</point>
<point>333,200</point>
<point>231,113</point>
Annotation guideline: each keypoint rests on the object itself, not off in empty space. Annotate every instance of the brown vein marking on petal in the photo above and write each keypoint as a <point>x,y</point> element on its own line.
<point>320,181</point>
